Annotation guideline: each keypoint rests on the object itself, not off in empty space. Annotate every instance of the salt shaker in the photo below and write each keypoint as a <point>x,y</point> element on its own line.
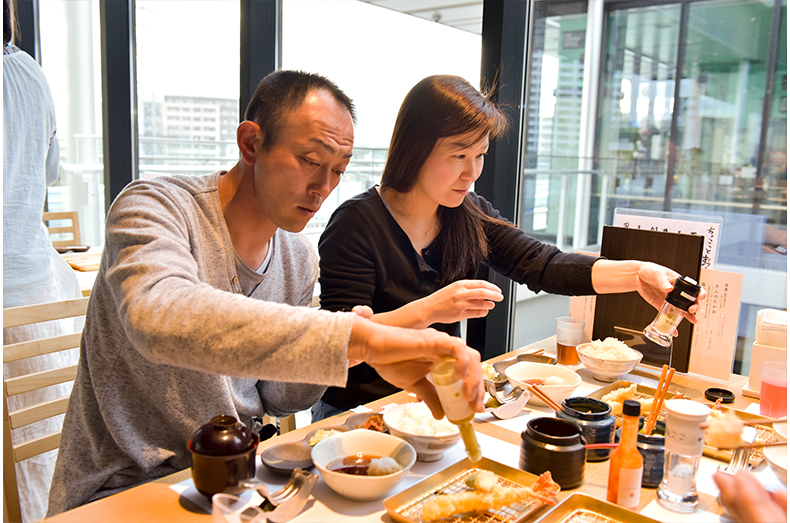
<point>670,315</point>
<point>683,441</point>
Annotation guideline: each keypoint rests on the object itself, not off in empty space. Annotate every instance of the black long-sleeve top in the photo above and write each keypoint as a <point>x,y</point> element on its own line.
<point>367,259</point>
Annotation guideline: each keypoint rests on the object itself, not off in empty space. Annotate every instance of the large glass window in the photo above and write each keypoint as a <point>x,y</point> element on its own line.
<point>382,54</point>
<point>682,125</point>
<point>71,60</point>
<point>187,86</point>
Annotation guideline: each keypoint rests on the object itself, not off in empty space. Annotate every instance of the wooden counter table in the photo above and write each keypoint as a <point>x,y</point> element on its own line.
<point>156,501</point>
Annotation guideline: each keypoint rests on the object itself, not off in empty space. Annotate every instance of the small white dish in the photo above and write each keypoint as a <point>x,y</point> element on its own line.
<point>777,459</point>
<point>781,429</point>
<point>525,370</point>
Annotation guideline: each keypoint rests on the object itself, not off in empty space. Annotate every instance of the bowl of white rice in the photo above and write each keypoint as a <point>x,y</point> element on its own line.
<point>608,359</point>
<point>414,423</point>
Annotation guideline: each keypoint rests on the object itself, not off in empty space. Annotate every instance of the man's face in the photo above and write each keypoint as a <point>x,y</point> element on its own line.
<point>304,163</point>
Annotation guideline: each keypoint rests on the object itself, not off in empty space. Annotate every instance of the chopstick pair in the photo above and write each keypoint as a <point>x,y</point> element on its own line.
<point>756,445</point>
<point>534,389</point>
<point>664,381</point>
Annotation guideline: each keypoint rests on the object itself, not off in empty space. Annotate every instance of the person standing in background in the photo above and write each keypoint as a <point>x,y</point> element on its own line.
<point>33,272</point>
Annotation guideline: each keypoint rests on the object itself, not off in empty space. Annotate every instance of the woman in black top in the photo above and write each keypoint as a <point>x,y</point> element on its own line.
<point>408,250</point>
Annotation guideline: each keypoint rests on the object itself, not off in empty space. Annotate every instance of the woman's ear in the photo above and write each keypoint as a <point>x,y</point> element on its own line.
<point>249,137</point>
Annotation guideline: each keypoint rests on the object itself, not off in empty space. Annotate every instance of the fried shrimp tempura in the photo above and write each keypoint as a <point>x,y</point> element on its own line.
<point>444,505</point>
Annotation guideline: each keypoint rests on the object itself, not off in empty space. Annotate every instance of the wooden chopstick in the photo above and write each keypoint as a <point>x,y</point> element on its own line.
<point>543,396</point>
<point>667,383</point>
<point>658,401</point>
<point>661,379</point>
<point>602,445</point>
<point>764,421</point>
<point>757,445</point>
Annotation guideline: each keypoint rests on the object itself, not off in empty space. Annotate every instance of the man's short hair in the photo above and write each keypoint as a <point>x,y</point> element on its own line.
<point>281,92</point>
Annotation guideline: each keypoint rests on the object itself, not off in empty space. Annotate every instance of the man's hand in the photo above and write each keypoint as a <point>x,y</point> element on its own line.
<point>404,358</point>
<point>748,502</point>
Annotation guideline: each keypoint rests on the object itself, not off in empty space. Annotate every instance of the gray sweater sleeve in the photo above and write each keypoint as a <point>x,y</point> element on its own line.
<point>173,284</point>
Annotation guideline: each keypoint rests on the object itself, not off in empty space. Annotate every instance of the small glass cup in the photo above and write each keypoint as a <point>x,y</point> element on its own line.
<point>773,389</point>
<point>227,508</point>
<point>570,334</point>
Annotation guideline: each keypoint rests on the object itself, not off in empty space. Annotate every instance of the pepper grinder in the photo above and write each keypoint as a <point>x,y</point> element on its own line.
<point>670,315</point>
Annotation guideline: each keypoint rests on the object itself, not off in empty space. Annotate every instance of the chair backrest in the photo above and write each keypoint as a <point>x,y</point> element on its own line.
<point>73,229</point>
<point>14,453</point>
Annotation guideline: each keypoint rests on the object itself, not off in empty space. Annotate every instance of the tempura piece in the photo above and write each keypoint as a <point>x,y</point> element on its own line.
<point>374,422</point>
<point>482,480</point>
<point>645,404</point>
<point>321,435</point>
<point>620,395</point>
<point>544,489</point>
<point>616,398</point>
<point>490,373</point>
<point>724,430</point>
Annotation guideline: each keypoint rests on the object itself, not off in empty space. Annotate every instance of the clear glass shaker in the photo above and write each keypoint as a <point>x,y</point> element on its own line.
<point>683,441</point>
<point>670,315</point>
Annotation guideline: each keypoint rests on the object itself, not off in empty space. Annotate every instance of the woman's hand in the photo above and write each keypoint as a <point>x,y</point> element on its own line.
<point>404,358</point>
<point>459,301</point>
<point>653,282</point>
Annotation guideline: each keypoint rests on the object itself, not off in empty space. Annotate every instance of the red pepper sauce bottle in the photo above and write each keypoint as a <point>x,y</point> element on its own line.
<point>626,463</point>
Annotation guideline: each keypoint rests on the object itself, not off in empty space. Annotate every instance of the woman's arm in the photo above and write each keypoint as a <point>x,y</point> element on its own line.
<point>652,281</point>
<point>458,301</point>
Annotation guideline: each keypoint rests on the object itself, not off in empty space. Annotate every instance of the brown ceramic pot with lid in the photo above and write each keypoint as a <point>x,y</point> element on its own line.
<point>223,454</point>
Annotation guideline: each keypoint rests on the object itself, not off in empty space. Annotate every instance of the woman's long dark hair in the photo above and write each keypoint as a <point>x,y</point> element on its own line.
<point>440,107</point>
<point>9,21</point>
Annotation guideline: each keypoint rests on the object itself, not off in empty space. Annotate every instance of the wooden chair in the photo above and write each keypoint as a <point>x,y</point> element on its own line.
<point>73,229</point>
<point>12,454</point>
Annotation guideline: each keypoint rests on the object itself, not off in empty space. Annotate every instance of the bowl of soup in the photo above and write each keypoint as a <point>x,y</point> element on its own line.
<point>363,465</point>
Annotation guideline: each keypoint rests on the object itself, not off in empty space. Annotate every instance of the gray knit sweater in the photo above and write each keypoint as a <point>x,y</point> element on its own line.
<point>166,329</point>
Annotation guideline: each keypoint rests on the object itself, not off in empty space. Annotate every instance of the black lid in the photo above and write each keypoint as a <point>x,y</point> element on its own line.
<point>223,436</point>
<point>632,408</point>
<point>684,294</point>
<point>713,394</point>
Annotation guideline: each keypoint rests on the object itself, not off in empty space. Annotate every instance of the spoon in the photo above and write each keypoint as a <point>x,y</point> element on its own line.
<point>517,399</point>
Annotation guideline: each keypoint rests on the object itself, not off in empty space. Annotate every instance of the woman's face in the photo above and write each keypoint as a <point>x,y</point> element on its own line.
<point>451,168</point>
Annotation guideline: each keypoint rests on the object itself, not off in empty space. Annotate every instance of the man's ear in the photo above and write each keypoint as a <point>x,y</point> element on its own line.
<point>249,137</point>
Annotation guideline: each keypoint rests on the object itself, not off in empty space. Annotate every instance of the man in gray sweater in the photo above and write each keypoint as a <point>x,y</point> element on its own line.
<point>200,304</point>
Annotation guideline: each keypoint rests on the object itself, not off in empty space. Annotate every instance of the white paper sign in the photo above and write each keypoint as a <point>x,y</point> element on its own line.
<point>707,226</point>
<point>715,335</point>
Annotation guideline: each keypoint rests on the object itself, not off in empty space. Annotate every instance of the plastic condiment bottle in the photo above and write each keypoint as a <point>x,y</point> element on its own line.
<point>455,405</point>
<point>670,315</point>
<point>626,463</point>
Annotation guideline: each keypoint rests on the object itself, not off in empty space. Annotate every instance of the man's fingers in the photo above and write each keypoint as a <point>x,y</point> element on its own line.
<point>426,392</point>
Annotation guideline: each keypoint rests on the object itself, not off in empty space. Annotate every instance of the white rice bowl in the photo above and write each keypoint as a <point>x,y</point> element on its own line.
<point>608,359</point>
<point>414,423</point>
